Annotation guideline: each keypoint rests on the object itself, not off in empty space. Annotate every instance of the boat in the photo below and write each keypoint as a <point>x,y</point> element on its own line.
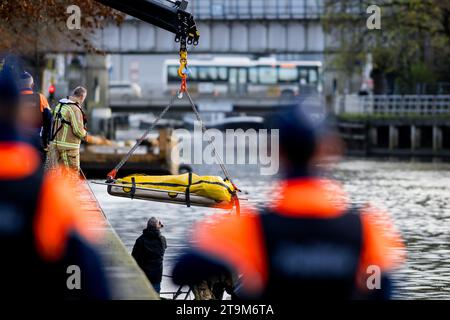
<point>189,189</point>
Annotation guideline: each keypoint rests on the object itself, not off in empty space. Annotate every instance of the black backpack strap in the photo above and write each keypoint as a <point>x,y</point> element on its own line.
<point>60,118</point>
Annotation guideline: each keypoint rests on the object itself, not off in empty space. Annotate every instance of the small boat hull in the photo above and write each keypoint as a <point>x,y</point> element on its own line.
<point>166,197</point>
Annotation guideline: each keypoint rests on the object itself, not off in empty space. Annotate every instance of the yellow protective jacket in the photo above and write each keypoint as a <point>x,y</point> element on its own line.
<point>68,128</point>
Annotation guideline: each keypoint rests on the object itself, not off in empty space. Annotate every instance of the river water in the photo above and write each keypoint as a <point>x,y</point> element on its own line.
<point>417,195</point>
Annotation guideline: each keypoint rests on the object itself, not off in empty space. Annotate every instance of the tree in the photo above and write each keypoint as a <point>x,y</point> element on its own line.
<point>411,50</point>
<point>32,28</point>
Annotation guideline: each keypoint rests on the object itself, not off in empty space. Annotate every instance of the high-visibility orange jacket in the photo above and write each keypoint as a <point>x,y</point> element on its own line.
<point>308,243</point>
<point>43,231</point>
<point>35,115</point>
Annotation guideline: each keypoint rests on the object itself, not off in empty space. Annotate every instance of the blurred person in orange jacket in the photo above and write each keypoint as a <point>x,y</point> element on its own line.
<point>310,242</point>
<point>35,115</point>
<point>42,231</point>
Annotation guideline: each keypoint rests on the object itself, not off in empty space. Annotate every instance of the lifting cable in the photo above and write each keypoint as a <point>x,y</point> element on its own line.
<point>182,72</point>
<point>112,174</point>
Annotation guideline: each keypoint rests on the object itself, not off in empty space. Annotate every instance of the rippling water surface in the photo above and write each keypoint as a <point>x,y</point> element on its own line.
<point>416,194</point>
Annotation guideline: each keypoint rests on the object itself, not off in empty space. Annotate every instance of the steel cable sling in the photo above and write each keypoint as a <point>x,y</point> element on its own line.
<point>112,174</point>
<point>181,72</point>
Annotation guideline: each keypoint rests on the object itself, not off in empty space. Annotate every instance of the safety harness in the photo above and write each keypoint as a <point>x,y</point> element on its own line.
<point>59,117</point>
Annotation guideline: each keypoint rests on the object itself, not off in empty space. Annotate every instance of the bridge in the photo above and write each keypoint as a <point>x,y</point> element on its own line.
<point>289,29</point>
<point>258,27</point>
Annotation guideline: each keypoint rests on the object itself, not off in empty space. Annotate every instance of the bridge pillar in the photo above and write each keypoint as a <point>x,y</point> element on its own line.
<point>373,136</point>
<point>415,137</point>
<point>97,80</point>
<point>393,137</point>
<point>437,138</point>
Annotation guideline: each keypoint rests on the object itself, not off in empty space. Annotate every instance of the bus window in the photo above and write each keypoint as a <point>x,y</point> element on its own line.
<point>253,75</point>
<point>313,76</point>
<point>202,74</point>
<point>212,74</point>
<point>172,73</point>
<point>303,76</point>
<point>288,75</point>
<point>268,75</point>
<point>222,73</point>
<point>193,75</point>
<point>233,78</point>
<point>242,75</point>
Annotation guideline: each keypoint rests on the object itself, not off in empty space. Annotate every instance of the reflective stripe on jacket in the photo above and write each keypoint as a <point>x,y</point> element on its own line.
<point>70,129</point>
<point>310,235</point>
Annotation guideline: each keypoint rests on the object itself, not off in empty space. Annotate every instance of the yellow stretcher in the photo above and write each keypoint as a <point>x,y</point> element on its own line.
<point>189,189</point>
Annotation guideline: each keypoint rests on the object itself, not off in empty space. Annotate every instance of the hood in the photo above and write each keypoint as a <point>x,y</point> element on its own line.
<point>65,100</point>
<point>151,232</point>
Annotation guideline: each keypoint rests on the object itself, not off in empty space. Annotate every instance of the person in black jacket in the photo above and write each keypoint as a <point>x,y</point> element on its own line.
<point>148,251</point>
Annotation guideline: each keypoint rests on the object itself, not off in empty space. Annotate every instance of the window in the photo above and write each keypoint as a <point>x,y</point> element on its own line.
<point>172,73</point>
<point>193,74</point>
<point>233,75</point>
<point>212,74</point>
<point>253,75</point>
<point>242,75</point>
<point>222,73</point>
<point>303,75</point>
<point>313,76</point>
<point>202,74</point>
<point>288,74</point>
<point>267,75</point>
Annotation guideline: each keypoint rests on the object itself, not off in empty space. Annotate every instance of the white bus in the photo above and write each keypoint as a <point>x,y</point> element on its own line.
<point>240,76</point>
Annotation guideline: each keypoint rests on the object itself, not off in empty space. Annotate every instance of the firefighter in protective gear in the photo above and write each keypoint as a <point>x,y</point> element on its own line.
<point>35,115</point>
<point>69,129</point>
<point>308,243</point>
<point>41,235</point>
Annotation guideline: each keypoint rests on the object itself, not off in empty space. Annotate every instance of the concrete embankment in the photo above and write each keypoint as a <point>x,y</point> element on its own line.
<point>396,136</point>
<point>127,280</point>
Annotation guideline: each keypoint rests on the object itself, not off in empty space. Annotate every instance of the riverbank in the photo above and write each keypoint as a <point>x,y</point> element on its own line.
<point>127,280</point>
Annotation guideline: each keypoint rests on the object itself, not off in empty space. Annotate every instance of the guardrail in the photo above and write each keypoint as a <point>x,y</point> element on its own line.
<point>393,104</point>
<point>256,9</point>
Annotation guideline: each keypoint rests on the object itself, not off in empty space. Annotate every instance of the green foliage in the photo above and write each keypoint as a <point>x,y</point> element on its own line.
<point>413,43</point>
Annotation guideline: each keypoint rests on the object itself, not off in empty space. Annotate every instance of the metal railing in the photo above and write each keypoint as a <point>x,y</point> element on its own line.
<point>256,9</point>
<point>393,104</point>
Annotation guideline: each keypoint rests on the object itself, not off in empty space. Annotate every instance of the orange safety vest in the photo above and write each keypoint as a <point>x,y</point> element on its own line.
<point>31,108</point>
<point>38,215</point>
<point>308,243</point>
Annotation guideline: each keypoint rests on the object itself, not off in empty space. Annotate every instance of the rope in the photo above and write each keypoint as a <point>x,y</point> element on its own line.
<point>113,173</point>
